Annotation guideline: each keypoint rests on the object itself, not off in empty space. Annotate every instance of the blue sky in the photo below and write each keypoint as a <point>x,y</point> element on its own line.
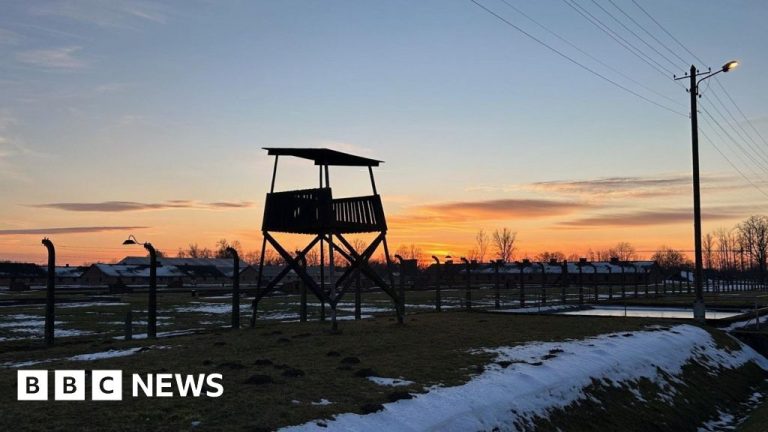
<point>150,102</point>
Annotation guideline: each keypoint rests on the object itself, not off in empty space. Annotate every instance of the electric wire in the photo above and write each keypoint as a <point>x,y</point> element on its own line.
<point>757,132</point>
<point>624,26</point>
<point>752,155</point>
<point>662,44</point>
<point>574,46</point>
<point>734,154</point>
<point>749,140</point>
<point>586,68</point>
<point>712,143</point>
<point>618,38</point>
<point>668,33</point>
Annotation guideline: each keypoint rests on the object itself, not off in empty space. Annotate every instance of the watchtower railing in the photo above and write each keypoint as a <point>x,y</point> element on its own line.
<point>298,211</point>
<point>312,211</point>
<point>359,214</point>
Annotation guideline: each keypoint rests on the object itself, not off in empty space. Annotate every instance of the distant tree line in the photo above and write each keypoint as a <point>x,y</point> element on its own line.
<point>739,248</point>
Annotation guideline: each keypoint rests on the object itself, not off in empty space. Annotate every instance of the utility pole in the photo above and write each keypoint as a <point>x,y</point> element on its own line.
<point>693,90</point>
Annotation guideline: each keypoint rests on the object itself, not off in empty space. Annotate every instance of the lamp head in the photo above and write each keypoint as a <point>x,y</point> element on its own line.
<point>130,242</point>
<point>731,65</point>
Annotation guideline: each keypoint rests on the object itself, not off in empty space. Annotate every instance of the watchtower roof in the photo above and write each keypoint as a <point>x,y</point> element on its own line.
<point>324,156</point>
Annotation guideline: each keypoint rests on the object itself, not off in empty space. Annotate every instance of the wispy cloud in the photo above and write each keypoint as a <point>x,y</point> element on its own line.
<point>504,208</point>
<point>621,187</point>
<point>457,215</point>
<point>53,58</point>
<point>125,206</point>
<point>123,14</point>
<point>12,149</point>
<point>668,216</point>
<point>68,230</point>
<point>114,87</point>
<point>8,37</point>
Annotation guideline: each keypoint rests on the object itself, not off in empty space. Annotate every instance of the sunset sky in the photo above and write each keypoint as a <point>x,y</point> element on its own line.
<point>149,118</point>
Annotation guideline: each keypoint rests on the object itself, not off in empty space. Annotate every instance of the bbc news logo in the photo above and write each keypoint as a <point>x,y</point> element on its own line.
<point>107,385</point>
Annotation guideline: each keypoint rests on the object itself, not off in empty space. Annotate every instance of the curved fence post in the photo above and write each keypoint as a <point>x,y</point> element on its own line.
<point>235,287</point>
<point>50,292</point>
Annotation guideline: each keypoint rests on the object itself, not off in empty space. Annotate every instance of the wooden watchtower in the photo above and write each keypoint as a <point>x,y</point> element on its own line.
<point>327,219</point>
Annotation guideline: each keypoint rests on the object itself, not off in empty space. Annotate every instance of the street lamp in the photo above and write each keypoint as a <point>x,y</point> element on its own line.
<point>692,75</point>
<point>152,306</point>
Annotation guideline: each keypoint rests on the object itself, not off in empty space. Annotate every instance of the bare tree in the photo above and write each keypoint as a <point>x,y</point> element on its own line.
<point>252,257</point>
<point>708,246</point>
<point>574,257</point>
<point>728,242</point>
<point>472,255</point>
<point>754,234</point>
<point>410,252</point>
<point>549,255</point>
<point>504,241</point>
<point>223,244</point>
<point>668,258</point>
<point>313,258</point>
<point>359,245</point>
<point>482,240</point>
<point>623,251</point>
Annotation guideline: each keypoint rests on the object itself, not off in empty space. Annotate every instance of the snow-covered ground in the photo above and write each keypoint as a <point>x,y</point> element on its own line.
<point>165,334</point>
<point>212,308</point>
<point>389,382</point>
<point>529,310</point>
<point>740,324</point>
<point>544,376</point>
<point>85,357</point>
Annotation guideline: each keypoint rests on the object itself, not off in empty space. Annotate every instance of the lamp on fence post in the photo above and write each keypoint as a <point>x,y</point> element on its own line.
<point>152,302</point>
<point>235,287</point>
<point>468,299</point>
<point>50,292</point>
<point>698,305</point>
<point>438,308</point>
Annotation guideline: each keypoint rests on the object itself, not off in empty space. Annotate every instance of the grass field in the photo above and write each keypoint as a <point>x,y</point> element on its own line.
<point>282,373</point>
<point>92,314</point>
<point>430,349</point>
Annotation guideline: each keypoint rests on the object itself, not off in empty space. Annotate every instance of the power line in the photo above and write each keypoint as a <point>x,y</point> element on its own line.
<point>618,38</point>
<point>741,112</point>
<point>634,34</point>
<point>730,137</point>
<point>647,32</point>
<point>712,143</point>
<point>739,152</point>
<point>739,155</point>
<point>586,68</point>
<point>668,33</point>
<point>756,148</point>
<point>574,46</point>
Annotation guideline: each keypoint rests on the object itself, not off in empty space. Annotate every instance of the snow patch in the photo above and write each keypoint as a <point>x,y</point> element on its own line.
<point>86,357</point>
<point>391,382</point>
<point>544,376</point>
<point>88,304</point>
